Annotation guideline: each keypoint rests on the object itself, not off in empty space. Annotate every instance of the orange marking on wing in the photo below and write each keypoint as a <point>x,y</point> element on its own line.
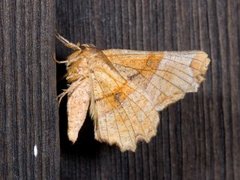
<point>150,65</point>
<point>114,100</point>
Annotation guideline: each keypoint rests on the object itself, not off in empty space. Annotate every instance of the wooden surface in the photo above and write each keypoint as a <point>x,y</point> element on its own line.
<point>199,137</point>
<point>28,106</point>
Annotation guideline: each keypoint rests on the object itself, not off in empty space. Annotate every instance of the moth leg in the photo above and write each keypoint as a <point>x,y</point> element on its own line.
<point>67,43</point>
<point>59,62</point>
<point>68,90</point>
<point>60,96</point>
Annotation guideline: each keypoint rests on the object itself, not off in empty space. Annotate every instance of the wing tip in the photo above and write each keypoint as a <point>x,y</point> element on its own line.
<point>72,136</point>
<point>203,58</point>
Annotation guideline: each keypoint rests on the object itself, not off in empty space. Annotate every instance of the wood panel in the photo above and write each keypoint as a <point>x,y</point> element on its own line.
<point>28,106</point>
<point>198,138</point>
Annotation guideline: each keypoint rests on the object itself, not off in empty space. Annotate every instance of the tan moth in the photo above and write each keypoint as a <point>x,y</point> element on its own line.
<point>125,89</point>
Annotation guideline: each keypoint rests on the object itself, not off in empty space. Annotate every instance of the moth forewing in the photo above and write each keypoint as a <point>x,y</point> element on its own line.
<point>165,76</point>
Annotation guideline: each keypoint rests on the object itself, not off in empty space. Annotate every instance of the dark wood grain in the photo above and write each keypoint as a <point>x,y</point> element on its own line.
<point>28,107</point>
<point>199,137</point>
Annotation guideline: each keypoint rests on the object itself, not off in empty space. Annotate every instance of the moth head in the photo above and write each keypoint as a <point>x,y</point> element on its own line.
<point>84,51</point>
<point>77,62</point>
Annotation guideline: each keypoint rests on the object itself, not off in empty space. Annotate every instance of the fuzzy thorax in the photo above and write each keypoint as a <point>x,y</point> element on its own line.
<point>77,65</point>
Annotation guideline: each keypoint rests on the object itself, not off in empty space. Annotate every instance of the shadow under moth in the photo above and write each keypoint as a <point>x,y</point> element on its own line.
<point>125,89</point>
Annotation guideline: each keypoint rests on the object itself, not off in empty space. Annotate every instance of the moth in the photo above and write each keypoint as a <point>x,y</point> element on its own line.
<point>125,89</point>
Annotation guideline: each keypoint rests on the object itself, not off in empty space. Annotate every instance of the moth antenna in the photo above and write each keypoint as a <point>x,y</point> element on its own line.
<point>67,43</point>
<point>88,45</point>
